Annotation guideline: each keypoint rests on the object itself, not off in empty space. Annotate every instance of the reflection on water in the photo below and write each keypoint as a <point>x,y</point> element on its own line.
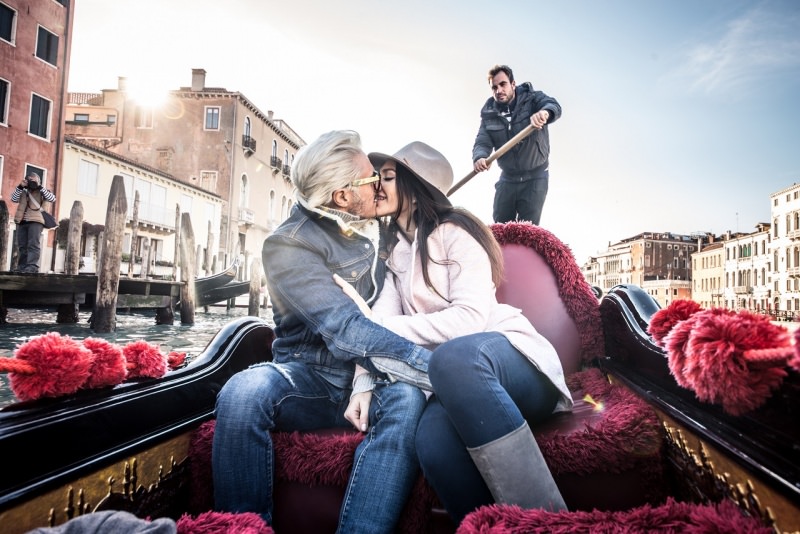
<point>191,339</point>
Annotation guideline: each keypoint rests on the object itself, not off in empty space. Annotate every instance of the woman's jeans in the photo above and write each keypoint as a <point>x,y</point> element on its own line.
<point>292,396</point>
<point>484,389</point>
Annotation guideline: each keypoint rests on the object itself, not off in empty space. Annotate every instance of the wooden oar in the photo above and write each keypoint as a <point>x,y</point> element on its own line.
<point>497,153</point>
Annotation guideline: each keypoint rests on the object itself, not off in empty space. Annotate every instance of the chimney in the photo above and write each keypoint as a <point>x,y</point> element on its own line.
<point>269,114</point>
<point>122,84</point>
<point>198,79</point>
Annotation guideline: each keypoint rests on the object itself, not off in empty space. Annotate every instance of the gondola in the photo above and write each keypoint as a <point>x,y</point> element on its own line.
<point>638,451</point>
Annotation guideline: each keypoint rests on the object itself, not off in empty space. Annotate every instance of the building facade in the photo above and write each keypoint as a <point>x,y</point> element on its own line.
<point>785,249</point>
<point>208,138</point>
<point>161,199</point>
<point>35,40</point>
<point>657,262</point>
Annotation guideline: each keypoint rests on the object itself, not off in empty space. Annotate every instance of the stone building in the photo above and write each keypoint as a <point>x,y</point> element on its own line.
<point>35,39</point>
<point>657,262</point>
<point>161,198</point>
<point>205,137</point>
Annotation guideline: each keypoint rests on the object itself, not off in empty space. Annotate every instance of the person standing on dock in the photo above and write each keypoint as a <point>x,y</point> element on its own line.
<point>522,187</point>
<point>32,199</point>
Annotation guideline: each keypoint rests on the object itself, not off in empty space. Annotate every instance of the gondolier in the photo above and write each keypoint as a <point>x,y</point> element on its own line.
<point>522,188</point>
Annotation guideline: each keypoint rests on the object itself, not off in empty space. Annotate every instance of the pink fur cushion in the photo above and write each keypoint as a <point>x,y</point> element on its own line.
<point>671,517</point>
<point>551,292</point>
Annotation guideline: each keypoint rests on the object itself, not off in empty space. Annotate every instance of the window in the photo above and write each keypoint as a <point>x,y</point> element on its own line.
<point>208,180</point>
<point>88,173</point>
<point>5,89</point>
<point>144,117</point>
<point>40,117</point>
<point>186,203</point>
<point>111,119</point>
<point>47,46</point>
<point>212,118</point>
<point>38,170</point>
<point>81,117</point>
<point>247,126</point>
<point>8,23</point>
<point>244,192</point>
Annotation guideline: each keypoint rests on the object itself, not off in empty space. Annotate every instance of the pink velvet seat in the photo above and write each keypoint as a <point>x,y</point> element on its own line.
<point>607,458</point>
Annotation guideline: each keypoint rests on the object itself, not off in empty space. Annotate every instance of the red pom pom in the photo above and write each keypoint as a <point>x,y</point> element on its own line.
<point>62,366</point>
<point>144,360</point>
<point>662,322</point>
<point>109,365</point>
<point>175,359</point>
<point>677,340</point>
<point>716,368</point>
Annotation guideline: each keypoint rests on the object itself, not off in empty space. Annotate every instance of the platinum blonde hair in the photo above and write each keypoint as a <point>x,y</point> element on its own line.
<point>325,165</point>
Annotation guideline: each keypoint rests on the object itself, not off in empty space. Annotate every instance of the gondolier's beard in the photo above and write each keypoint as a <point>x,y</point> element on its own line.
<point>506,100</point>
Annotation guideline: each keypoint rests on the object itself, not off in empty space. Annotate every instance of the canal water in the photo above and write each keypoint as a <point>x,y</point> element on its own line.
<point>24,324</point>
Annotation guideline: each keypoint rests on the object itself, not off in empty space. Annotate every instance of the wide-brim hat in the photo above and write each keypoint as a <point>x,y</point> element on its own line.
<point>426,163</point>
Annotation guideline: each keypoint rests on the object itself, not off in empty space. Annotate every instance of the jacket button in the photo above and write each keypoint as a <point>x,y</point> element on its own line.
<point>420,361</point>
<point>353,274</point>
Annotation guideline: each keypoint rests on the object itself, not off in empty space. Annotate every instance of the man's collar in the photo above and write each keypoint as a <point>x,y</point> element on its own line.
<point>347,222</point>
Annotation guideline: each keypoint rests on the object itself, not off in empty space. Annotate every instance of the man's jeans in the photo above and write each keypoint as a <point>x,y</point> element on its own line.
<point>519,201</point>
<point>292,396</point>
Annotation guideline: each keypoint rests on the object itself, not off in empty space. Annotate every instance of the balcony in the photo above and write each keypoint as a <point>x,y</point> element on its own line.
<point>246,216</point>
<point>249,144</point>
<point>287,171</point>
<point>793,271</point>
<point>743,290</point>
<point>275,162</point>
<point>793,234</point>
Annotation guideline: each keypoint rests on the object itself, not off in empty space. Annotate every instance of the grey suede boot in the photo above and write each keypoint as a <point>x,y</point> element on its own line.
<point>515,471</point>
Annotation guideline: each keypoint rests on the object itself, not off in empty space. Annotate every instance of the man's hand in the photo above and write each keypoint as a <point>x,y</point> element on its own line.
<point>481,165</point>
<point>540,118</point>
<point>351,292</point>
<point>357,411</point>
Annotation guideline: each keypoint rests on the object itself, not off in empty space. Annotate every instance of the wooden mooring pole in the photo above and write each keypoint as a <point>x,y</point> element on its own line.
<point>254,303</point>
<point>104,317</point>
<point>188,256</point>
<point>68,313</point>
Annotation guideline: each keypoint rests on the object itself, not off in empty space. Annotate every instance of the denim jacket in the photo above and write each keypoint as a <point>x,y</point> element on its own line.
<point>315,322</point>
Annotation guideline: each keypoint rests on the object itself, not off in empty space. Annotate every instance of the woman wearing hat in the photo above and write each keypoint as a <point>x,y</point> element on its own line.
<point>491,372</point>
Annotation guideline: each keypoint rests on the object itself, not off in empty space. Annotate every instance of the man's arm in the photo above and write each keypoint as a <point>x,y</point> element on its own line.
<point>302,285</point>
<point>541,101</point>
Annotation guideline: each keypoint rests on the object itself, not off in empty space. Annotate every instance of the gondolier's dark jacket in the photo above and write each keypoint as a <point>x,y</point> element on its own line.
<point>530,157</point>
<point>315,322</point>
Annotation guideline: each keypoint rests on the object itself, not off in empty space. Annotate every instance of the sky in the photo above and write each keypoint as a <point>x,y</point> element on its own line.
<point>678,116</point>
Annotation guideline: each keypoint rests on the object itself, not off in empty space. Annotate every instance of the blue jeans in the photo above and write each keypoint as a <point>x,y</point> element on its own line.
<point>29,239</point>
<point>519,201</point>
<point>292,396</point>
<point>485,389</point>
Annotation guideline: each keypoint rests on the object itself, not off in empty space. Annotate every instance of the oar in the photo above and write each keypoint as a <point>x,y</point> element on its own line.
<point>497,153</point>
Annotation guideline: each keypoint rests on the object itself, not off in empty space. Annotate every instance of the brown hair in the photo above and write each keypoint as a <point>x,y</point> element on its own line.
<point>501,68</point>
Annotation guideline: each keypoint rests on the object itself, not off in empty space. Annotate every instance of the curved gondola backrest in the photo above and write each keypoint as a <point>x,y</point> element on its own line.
<point>543,279</point>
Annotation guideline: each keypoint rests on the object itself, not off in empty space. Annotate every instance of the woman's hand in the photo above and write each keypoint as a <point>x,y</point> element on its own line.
<point>351,292</point>
<point>357,411</point>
